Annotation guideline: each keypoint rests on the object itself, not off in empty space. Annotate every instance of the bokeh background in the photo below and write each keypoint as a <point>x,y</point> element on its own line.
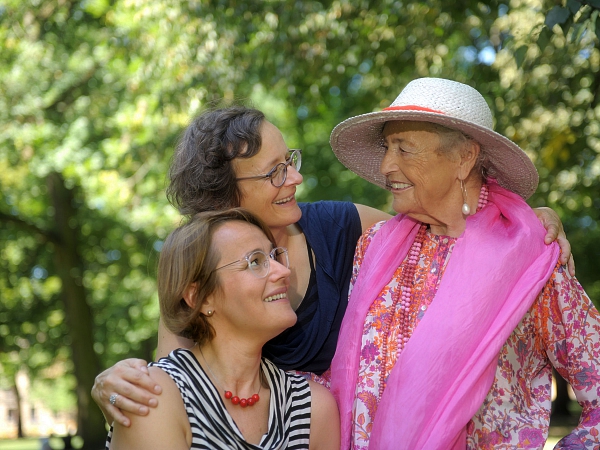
<point>94,94</point>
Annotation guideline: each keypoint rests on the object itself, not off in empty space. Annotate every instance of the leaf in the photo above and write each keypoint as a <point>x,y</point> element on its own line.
<point>557,15</point>
<point>578,31</point>
<point>544,38</point>
<point>574,6</point>
<point>594,3</point>
<point>520,55</point>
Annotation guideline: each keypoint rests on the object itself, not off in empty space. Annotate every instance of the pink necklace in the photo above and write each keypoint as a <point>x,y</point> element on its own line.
<point>402,299</point>
<point>243,402</point>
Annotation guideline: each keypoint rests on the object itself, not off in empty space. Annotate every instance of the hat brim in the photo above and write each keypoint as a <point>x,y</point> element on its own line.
<point>358,144</point>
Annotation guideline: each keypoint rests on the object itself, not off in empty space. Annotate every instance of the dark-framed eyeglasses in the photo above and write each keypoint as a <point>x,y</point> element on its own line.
<point>278,174</point>
<point>259,263</point>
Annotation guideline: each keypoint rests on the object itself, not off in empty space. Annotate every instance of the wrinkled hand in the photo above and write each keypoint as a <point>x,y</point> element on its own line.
<point>129,379</point>
<point>556,232</point>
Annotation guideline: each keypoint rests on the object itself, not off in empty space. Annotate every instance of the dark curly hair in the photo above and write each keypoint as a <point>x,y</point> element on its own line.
<point>188,256</point>
<point>201,176</point>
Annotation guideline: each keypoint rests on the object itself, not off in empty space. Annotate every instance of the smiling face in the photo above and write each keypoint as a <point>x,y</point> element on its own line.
<point>423,181</point>
<point>277,207</point>
<point>244,303</point>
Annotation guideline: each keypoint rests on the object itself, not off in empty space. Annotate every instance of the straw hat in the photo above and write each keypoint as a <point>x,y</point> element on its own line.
<point>358,142</point>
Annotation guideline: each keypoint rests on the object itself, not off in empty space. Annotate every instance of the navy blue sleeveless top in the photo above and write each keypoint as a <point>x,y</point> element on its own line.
<point>332,230</point>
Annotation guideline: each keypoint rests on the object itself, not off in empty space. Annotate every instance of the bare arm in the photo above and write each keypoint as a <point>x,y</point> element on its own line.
<point>130,380</point>
<point>166,426</point>
<point>324,419</point>
<point>370,216</point>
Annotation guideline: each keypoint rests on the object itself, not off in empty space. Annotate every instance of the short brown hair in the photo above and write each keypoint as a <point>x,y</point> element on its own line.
<point>202,177</point>
<point>188,256</point>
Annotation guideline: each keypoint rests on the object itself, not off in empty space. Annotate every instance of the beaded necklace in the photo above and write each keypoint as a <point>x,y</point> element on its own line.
<point>243,402</point>
<point>402,298</point>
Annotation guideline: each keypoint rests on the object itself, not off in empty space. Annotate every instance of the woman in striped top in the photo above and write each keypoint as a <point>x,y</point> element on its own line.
<point>223,283</point>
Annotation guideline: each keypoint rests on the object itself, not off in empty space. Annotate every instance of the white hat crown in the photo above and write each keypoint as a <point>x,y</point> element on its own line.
<point>448,97</point>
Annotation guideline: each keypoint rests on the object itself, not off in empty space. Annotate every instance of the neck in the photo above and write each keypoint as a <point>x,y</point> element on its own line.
<point>283,234</point>
<point>231,366</point>
<point>451,221</point>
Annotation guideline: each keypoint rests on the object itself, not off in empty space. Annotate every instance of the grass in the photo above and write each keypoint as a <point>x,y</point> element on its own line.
<point>20,444</point>
<point>33,444</point>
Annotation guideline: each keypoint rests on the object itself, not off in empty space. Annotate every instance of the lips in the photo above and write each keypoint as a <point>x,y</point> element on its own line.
<point>397,185</point>
<point>275,297</point>
<point>284,200</point>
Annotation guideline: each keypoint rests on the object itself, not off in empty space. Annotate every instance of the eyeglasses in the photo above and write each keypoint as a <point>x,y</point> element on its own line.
<point>278,174</point>
<point>259,262</point>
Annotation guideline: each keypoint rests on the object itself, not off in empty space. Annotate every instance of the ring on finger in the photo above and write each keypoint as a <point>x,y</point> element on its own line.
<point>113,399</point>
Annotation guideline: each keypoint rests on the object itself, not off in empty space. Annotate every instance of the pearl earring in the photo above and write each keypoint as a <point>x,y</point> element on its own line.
<point>466,209</point>
<point>210,312</point>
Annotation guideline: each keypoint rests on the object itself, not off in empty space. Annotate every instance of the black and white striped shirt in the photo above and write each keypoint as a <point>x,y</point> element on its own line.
<point>212,426</point>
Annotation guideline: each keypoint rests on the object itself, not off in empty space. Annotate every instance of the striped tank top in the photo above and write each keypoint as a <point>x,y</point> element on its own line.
<point>212,426</point>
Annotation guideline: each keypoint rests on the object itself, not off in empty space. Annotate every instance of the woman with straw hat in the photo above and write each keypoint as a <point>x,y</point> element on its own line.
<point>458,311</point>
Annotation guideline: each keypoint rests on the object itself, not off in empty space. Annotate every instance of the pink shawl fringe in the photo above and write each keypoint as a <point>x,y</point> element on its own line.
<point>498,267</point>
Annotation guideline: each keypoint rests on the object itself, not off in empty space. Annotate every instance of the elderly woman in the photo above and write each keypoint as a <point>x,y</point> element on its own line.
<point>223,283</point>
<point>458,311</point>
<point>234,157</point>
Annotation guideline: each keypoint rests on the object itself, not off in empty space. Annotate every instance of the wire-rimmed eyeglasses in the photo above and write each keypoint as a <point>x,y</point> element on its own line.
<point>278,174</point>
<point>259,262</point>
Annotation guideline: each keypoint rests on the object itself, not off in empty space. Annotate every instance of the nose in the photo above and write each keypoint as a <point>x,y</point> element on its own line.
<point>388,164</point>
<point>294,177</point>
<point>279,271</point>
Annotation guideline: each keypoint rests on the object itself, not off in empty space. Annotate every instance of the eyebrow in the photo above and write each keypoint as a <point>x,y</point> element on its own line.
<point>396,140</point>
<point>276,160</point>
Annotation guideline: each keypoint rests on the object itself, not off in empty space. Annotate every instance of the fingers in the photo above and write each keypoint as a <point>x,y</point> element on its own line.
<point>135,390</point>
<point>571,266</point>
<point>552,232</point>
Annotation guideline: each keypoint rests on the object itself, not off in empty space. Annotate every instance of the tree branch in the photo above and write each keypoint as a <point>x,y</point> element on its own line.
<point>47,236</point>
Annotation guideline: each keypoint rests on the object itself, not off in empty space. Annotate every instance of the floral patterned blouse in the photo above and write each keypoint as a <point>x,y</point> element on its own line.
<point>561,330</point>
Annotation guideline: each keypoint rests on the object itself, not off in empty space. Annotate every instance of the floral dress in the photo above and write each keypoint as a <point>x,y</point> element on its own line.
<point>561,330</point>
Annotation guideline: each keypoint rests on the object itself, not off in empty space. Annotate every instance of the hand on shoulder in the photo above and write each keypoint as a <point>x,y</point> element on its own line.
<point>165,426</point>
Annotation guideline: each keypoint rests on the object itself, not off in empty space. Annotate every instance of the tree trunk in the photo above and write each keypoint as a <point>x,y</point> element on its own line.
<point>19,410</point>
<point>79,319</point>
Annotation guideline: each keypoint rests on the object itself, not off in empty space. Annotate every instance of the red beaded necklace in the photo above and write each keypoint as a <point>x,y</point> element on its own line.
<point>243,402</point>
<point>402,298</point>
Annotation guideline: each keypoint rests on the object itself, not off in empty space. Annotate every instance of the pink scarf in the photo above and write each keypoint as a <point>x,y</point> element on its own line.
<point>498,267</point>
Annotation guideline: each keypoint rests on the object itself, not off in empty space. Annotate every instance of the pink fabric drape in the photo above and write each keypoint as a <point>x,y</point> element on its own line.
<point>498,267</point>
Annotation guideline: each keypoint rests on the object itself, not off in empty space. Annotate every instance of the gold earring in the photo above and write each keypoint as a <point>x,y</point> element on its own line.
<point>210,312</point>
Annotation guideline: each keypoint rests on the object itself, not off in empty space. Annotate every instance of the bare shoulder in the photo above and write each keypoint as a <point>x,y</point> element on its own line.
<point>324,419</point>
<point>165,426</point>
<point>370,216</point>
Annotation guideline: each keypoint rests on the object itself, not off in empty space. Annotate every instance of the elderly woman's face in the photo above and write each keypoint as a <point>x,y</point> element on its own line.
<point>421,179</point>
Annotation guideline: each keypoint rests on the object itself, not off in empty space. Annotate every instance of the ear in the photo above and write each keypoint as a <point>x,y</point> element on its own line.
<point>468,157</point>
<point>189,295</point>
